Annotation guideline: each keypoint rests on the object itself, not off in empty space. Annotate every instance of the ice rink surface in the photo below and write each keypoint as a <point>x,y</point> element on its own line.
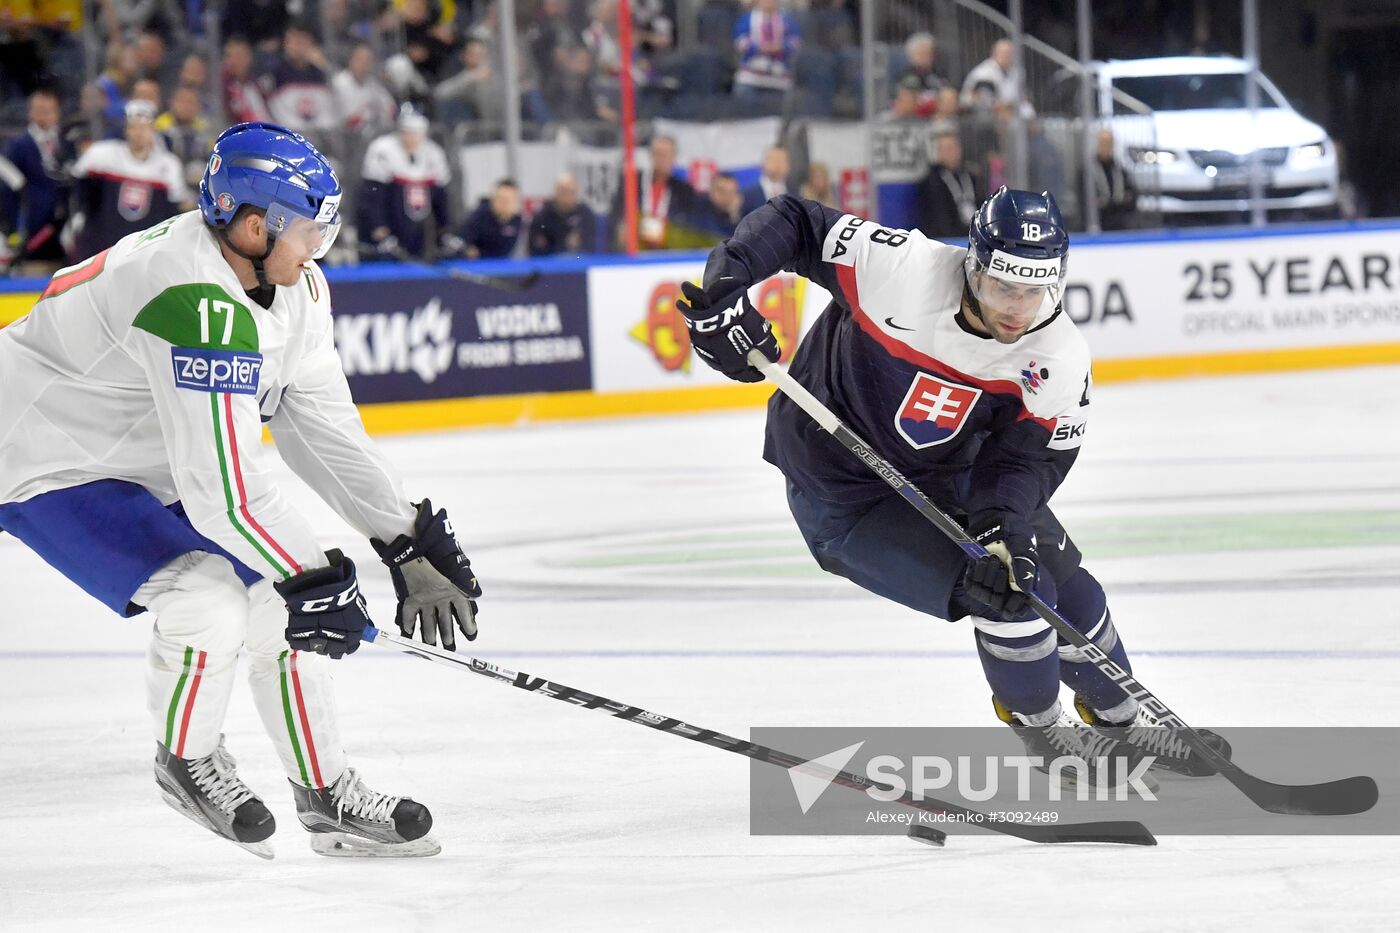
<point>1247,530</point>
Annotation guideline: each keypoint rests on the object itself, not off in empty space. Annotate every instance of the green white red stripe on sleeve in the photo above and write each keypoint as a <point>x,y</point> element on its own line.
<point>235,494</point>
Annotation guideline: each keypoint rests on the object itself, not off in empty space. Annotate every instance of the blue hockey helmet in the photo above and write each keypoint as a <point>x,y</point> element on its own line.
<point>1017,250</point>
<point>278,171</point>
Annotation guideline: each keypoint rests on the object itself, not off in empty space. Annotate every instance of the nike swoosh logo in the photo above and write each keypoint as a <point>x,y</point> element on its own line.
<point>890,322</point>
<point>1063,542</point>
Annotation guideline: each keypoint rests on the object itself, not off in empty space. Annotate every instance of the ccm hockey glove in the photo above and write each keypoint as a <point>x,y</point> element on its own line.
<point>1001,580</point>
<point>724,326</point>
<point>432,578</point>
<point>325,611</point>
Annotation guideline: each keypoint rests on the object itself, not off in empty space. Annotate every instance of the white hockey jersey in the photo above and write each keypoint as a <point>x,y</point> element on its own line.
<point>148,363</point>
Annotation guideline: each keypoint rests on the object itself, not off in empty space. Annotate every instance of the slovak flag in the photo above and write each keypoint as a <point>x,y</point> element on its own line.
<point>934,410</point>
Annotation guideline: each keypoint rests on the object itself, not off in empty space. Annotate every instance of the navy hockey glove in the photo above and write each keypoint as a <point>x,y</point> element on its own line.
<point>1001,580</point>
<point>432,578</point>
<point>326,613</point>
<point>724,326</point>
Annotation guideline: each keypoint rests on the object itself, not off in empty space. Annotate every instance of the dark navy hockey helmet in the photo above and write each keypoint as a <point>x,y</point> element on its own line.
<point>1017,250</point>
<point>279,171</point>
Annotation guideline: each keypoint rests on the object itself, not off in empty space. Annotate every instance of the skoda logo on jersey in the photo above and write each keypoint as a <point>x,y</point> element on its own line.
<point>216,370</point>
<point>934,411</point>
<point>134,200</point>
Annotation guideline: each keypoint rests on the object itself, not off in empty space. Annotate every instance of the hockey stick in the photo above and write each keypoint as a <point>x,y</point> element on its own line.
<point>1332,798</point>
<point>498,282</point>
<point>1116,831</point>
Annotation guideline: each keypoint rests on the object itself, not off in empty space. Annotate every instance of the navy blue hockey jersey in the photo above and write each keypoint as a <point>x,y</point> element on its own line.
<point>978,424</point>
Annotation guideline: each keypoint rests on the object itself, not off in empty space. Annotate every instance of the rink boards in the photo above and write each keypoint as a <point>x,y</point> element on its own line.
<point>599,336</point>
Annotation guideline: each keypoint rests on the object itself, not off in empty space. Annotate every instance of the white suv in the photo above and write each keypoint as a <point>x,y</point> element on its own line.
<point>1188,145</point>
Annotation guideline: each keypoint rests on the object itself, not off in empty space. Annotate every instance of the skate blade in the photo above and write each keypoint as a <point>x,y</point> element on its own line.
<point>344,845</point>
<point>260,849</point>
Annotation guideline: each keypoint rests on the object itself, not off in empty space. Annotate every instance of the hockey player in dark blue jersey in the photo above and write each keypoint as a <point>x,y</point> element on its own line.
<point>960,367</point>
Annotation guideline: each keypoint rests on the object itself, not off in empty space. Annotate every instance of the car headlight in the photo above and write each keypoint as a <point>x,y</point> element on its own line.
<point>1312,151</point>
<point>1150,156</point>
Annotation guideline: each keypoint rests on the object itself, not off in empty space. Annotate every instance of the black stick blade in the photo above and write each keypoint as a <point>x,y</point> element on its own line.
<point>1334,798</point>
<point>1116,832</point>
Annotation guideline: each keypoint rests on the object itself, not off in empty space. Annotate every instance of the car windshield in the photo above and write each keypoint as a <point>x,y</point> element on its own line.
<point>1192,92</point>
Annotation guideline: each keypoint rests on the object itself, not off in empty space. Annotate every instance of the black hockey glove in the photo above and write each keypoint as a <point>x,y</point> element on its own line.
<point>1001,580</point>
<point>325,611</point>
<point>724,326</point>
<point>432,579</point>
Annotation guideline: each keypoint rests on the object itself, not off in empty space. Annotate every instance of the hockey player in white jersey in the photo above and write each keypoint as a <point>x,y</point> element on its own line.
<point>405,177</point>
<point>132,402</point>
<point>962,370</point>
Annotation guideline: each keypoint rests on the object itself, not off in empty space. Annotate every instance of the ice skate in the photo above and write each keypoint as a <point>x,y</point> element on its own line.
<point>208,791</point>
<point>347,819</point>
<point>1146,733</point>
<point>1101,761</point>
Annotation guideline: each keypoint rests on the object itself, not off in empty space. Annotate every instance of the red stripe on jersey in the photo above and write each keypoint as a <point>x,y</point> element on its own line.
<point>112,176</point>
<point>243,495</point>
<point>846,277</point>
<point>66,280</point>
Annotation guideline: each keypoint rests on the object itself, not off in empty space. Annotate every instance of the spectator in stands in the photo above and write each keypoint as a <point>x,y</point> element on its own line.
<point>194,72</point>
<point>152,60</point>
<point>115,82</point>
<point>661,196</point>
<point>363,102</point>
<point>724,207</point>
<point>550,37</point>
<point>244,98</point>
<point>766,39</point>
<point>301,99</point>
<point>124,20</point>
<point>187,133</point>
<point>88,123</point>
<point>653,36</point>
<point>921,52</point>
<point>564,224</point>
<point>818,186</point>
<point>125,185</point>
<point>947,112</point>
<point>1113,187</point>
<point>477,92</point>
<point>772,181</point>
<point>949,194</point>
<point>493,228</point>
<point>905,105</point>
<point>405,177</point>
<point>600,37</point>
<point>147,89</point>
<point>33,190</point>
<point>570,92</point>
<point>993,80</point>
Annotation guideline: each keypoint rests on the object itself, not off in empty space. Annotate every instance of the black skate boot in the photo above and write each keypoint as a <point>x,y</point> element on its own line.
<point>1147,734</point>
<point>208,791</point>
<point>347,819</point>
<point>1085,756</point>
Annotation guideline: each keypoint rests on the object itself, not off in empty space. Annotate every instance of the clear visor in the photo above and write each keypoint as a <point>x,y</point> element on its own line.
<point>1005,296</point>
<point>303,235</point>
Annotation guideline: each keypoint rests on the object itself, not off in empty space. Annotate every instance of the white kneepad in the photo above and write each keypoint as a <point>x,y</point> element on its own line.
<point>199,601</point>
<point>267,621</point>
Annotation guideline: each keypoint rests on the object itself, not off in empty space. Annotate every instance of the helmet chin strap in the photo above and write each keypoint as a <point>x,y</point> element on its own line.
<point>256,260</point>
